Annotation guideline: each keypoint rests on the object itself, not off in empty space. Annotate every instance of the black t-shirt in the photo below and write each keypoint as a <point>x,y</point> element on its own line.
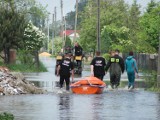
<point>66,65</point>
<point>99,64</point>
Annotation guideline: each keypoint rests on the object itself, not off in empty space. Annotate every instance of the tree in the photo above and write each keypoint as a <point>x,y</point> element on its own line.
<point>33,38</point>
<point>133,24</point>
<point>32,42</point>
<point>13,22</point>
<point>149,22</point>
<point>113,12</point>
<point>57,45</point>
<point>114,37</point>
<point>68,42</point>
<point>151,6</point>
<point>11,32</point>
<point>70,17</point>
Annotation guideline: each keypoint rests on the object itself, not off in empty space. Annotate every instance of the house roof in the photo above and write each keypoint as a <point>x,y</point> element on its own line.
<point>68,32</point>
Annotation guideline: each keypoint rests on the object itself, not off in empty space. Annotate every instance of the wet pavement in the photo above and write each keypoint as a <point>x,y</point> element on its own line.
<point>118,104</point>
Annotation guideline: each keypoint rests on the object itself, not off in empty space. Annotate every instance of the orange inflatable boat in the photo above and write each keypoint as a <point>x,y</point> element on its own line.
<point>88,85</point>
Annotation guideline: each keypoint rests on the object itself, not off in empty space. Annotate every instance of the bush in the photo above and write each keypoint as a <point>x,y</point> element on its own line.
<point>6,116</point>
<point>150,79</point>
<point>106,56</point>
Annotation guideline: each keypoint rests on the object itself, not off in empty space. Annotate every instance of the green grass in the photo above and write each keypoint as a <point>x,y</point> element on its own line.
<point>6,116</point>
<point>154,89</point>
<point>151,80</point>
<point>25,67</point>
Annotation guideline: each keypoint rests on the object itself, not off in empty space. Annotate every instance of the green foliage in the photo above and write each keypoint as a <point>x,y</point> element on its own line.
<point>70,17</point>
<point>30,67</point>
<point>151,6</point>
<point>106,56</point>
<point>6,116</point>
<point>115,37</point>
<point>25,56</point>
<point>13,21</point>
<point>57,45</point>
<point>122,26</point>
<point>150,78</point>
<point>38,16</point>
<point>33,38</point>
<point>150,24</point>
<point>151,81</point>
<point>68,42</point>
<point>113,13</point>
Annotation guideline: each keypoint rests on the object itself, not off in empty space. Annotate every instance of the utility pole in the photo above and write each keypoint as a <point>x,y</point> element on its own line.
<point>55,13</point>
<point>65,29</point>
<point>48,33</point>
<point>75,24</point>
<point>62,27</point>
<point>52,32</point>
<point>55,19</point>
<point>158,69</point>
<point>98,25</point>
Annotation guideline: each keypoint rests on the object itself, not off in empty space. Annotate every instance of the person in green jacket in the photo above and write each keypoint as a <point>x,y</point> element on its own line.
<point>131,68</point>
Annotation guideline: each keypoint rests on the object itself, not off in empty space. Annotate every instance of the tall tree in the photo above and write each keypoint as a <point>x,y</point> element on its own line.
<point>113,12</point>
<point>11,31</point>
<point>13,22</point>
<point>149,23</point>
<point>133,23</point>
<point>151,6</point>
<point>70,17</point>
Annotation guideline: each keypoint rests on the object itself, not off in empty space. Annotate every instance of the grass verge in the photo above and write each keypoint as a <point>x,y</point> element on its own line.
<point>25,67</point>
<point>151,81</point>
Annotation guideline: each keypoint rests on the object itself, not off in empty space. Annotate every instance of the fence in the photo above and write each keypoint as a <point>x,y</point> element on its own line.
<point>145,61</point>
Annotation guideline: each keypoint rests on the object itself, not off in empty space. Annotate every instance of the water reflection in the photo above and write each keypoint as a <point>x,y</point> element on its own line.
<point>111,105</point>
<point>158,107</point>
<point>97,104</point>
<point>64,107</point>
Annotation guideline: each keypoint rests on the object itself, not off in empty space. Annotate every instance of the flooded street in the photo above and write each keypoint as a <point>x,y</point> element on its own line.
<point>111,105</point>
<point>119,104</point>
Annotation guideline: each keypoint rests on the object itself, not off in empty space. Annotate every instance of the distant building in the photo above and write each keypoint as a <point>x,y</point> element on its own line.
<point>70,34</point>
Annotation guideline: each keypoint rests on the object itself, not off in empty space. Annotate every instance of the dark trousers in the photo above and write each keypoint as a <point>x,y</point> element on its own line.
<point>67,80</point>
<point>131,78</point>
<point>115,79</point>
<point>79,63</point>
<point>99,76</point>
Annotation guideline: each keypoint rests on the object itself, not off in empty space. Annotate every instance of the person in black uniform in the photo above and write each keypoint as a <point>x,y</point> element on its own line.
<point>78,49</point>
<point>65,69</point>
<point>78,52</point>
<point>116,65</point>
<point>97,66</point>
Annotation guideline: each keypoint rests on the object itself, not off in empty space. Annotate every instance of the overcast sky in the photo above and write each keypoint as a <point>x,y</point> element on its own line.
<point>69,5</point>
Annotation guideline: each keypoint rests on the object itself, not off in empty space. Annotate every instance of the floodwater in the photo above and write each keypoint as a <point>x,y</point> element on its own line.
<point>111,105</point>
<point>118,104</point>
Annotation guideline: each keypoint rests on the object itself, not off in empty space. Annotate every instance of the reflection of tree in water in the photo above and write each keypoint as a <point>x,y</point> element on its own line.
<point>64,107</point>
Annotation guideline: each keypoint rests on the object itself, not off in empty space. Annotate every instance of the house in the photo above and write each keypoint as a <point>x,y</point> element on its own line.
<point>70,34</point>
